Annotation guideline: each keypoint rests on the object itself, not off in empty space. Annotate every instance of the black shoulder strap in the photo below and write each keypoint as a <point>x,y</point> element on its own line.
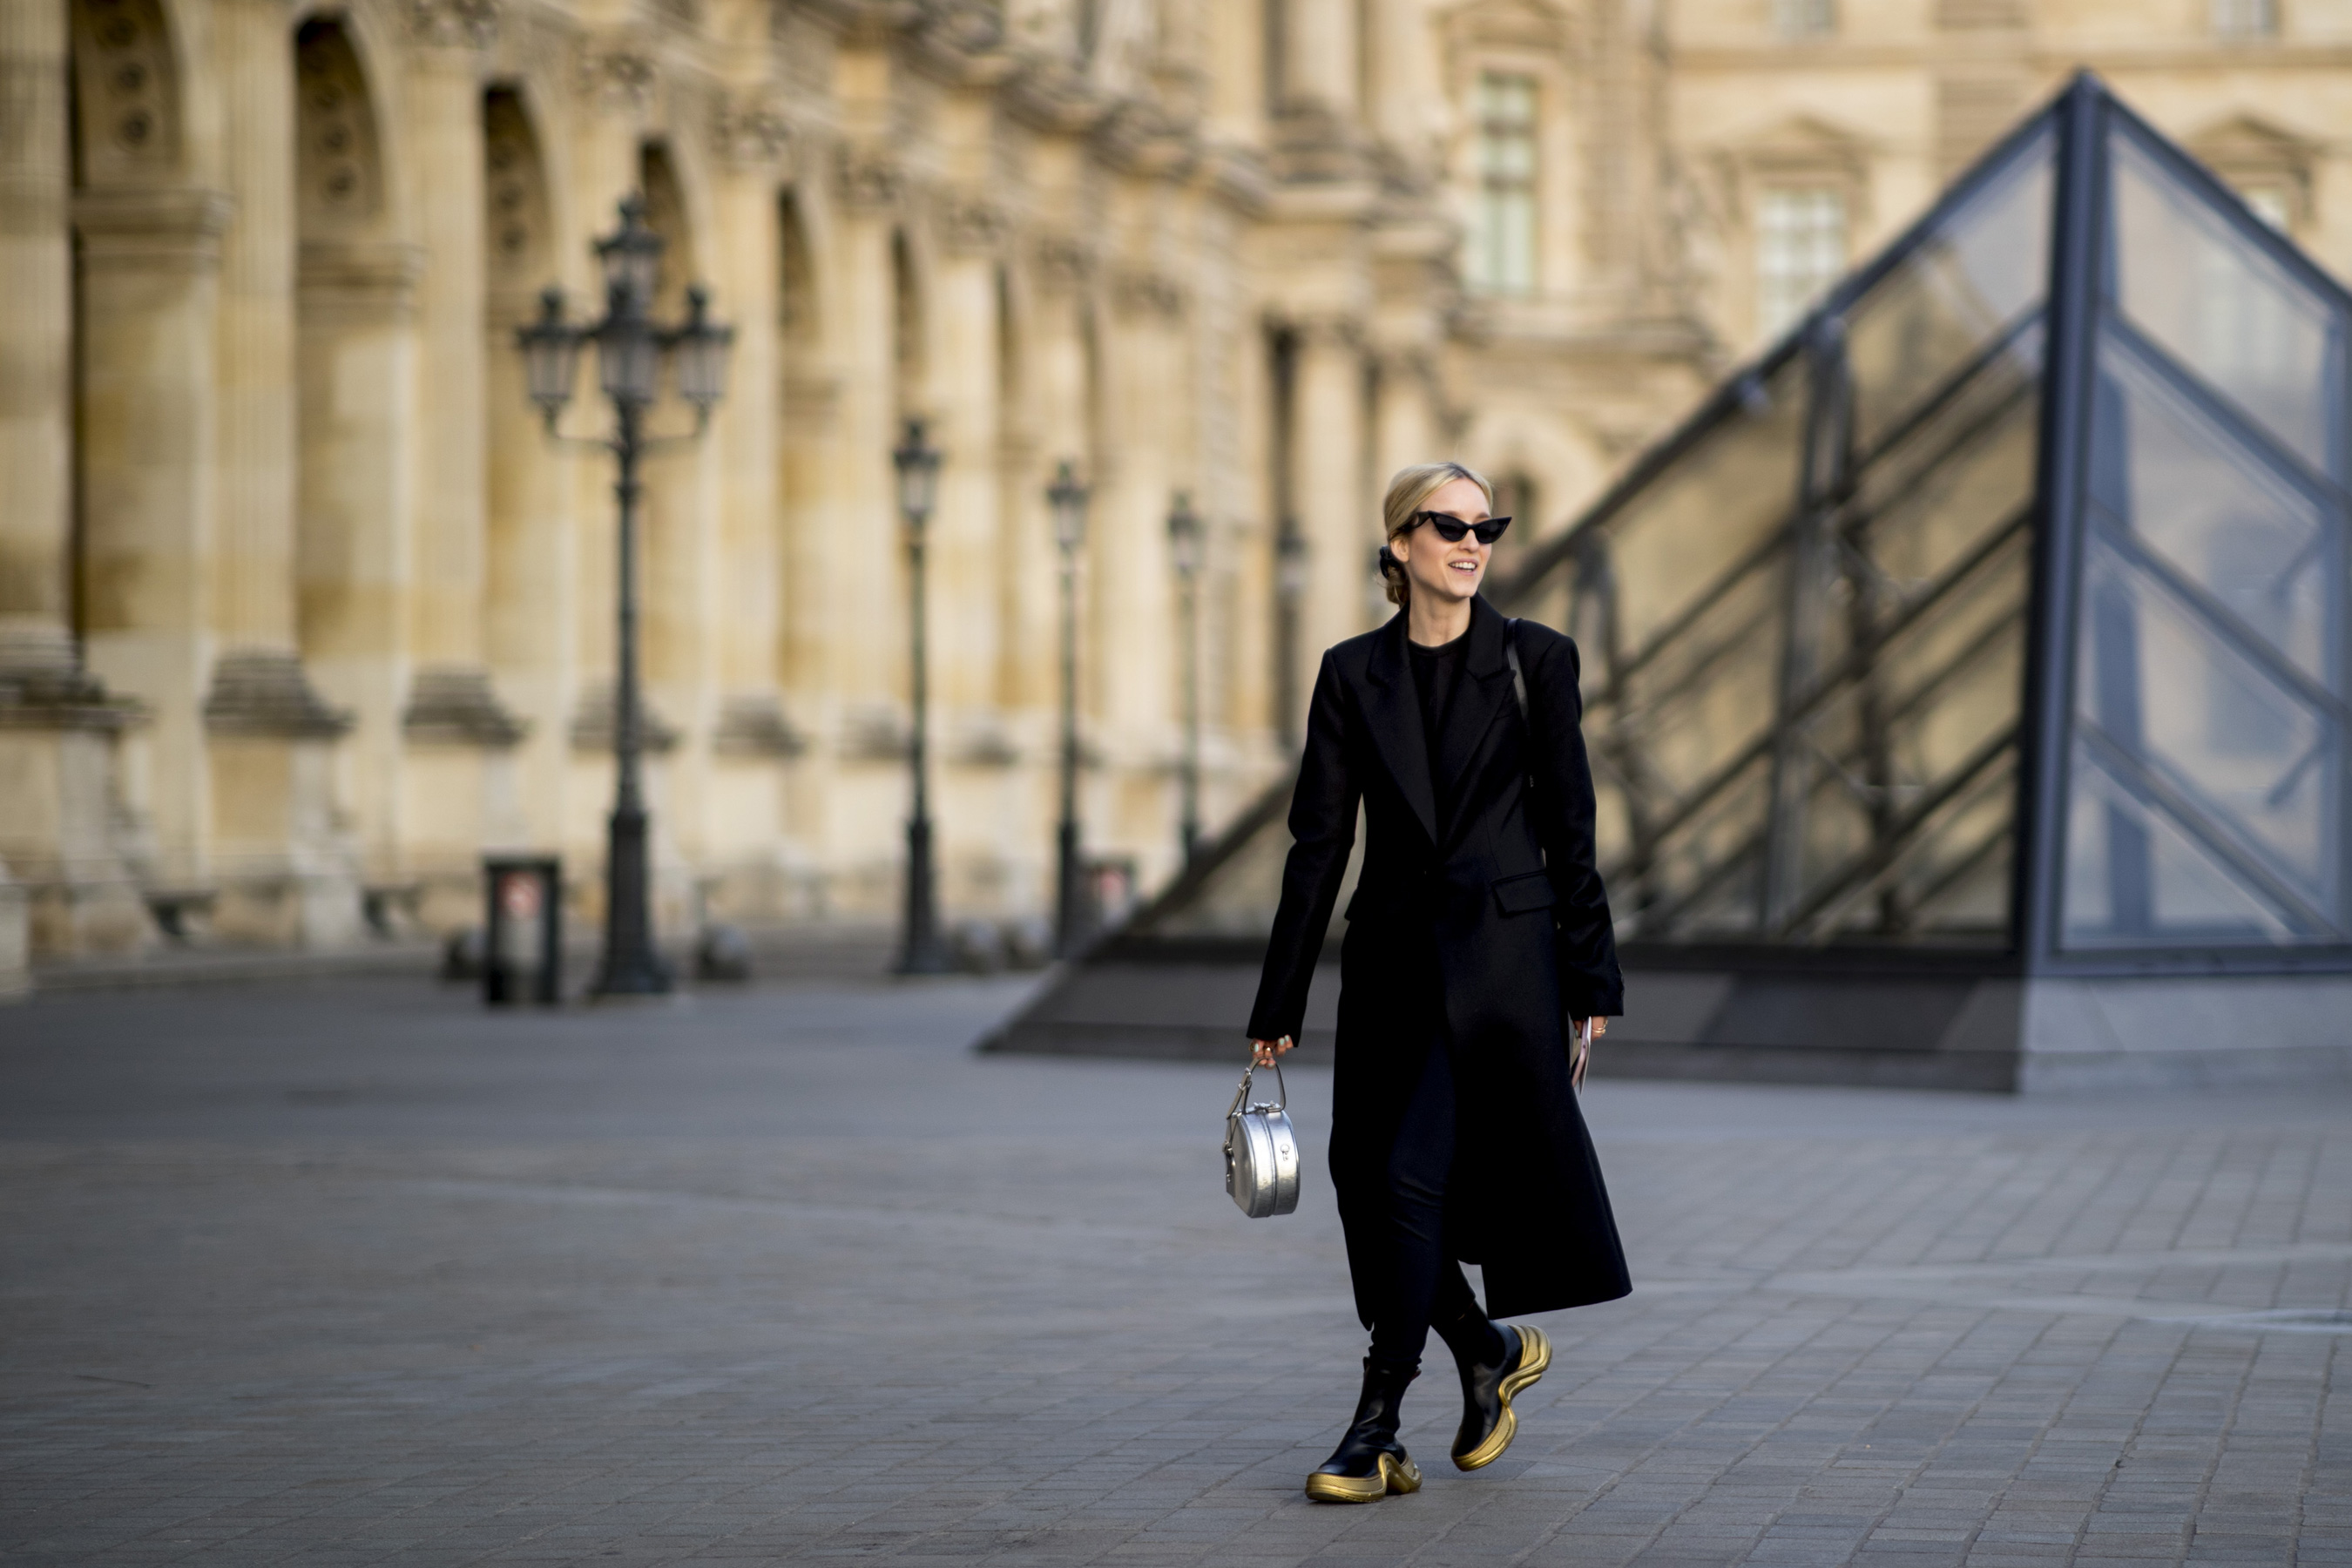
<point>1511,652</point>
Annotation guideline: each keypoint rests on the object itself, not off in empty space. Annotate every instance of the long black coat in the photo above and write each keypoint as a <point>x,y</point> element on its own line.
<point>1488,932</point>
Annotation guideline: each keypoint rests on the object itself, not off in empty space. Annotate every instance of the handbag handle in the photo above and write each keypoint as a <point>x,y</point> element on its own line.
<point>1241,1095</point>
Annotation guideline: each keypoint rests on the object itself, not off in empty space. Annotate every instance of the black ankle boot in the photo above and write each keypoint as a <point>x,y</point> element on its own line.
<point>1487,1389</point>
<point>1370,1463</point>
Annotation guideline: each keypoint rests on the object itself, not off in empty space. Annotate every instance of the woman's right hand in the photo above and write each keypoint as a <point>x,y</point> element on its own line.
<point>1264,1052</point>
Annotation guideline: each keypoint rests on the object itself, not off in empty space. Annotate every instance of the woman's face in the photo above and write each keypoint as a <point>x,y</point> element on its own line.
<point>1436,568</point>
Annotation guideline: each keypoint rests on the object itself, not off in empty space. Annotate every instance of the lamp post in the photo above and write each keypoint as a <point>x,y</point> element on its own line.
<point>920,949</point>
<point>630,345</point>
<point>1290,562</point>
<point>1185,543</point>
<point>1069,500</point>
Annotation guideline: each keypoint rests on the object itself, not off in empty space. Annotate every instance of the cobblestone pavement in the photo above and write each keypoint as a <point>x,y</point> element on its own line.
<point>354,1274</point>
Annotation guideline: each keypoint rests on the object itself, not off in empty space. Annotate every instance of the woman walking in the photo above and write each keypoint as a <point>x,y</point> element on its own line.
<point>1478,926</point>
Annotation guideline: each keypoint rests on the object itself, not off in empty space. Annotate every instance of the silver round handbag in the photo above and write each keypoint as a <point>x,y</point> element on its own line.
<point>1261,1151</point>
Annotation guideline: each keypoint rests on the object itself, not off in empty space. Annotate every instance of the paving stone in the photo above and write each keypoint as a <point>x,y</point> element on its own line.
<point>357,1274</point>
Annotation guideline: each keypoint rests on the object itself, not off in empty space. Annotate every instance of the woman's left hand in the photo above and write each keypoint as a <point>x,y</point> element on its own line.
<point>1584,1056</point>
<point>1264,1052</point>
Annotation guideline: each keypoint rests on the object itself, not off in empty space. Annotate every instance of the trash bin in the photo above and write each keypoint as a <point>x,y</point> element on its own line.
<point>522,947</point>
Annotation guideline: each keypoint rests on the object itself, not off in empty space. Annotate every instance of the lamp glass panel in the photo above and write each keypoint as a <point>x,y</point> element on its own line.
<point>918,476</point>
<point>550,364</point>
<point>628,364</point>
<point>702,355</point>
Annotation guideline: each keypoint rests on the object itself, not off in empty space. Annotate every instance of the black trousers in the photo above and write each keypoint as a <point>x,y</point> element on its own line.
<point>1423,1285</point>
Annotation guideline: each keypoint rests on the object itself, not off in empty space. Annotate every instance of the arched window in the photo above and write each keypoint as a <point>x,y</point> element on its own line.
<point>338,180</point>
<point>514,190</point>
<point>796,289</point>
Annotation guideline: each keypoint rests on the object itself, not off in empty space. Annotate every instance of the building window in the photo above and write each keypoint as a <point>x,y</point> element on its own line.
<point>2246,18</point>
<point>1800,252</point>
<point>1809,18</point>
<point>1502,241</point>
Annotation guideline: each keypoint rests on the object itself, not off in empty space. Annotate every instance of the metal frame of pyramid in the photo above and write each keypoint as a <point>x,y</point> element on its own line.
<point>1968,681</point>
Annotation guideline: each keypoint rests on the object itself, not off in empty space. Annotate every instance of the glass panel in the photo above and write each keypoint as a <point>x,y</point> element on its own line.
<point>2189,279</point>
<point>2134,880</point>
<point>1716,507</point>
<point>2265,549</point>
<point>2245,761</point>
<point>1899,790</point>
<point>1974,276</point>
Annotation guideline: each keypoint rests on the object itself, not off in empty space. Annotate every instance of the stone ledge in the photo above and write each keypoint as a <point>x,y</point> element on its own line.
<point>457,707</point>
<point>267,693</point>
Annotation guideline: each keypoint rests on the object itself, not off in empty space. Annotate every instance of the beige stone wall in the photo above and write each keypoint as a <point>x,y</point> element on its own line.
<point>301,611</point>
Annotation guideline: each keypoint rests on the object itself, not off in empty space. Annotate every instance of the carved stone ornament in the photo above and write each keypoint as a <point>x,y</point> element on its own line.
<point>1063,262</point>
<point>749,129</point>
<point>871,178</point>
<point>615,77</point>
<point>1139,291</point>
<point>452,24</point>
<point>972,224</point>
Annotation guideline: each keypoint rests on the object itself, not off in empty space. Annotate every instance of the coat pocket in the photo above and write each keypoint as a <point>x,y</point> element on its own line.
<point>1525,893</point>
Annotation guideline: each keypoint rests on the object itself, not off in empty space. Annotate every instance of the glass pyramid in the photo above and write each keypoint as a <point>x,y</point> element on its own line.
<point>1997,610</point>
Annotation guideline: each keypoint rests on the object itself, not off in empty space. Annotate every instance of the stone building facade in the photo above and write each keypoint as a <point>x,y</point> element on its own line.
<point>300,610</point>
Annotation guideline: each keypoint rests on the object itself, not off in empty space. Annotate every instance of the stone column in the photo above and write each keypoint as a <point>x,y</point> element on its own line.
<point>974,750</point>
<point>1054,424</point>
<point>35,343</point>
<point>1405,418</point>
<point>15,945</point>
<point>533,616</point>
<point>1321,55</point>
<point>1136,640</point>
<point>282,857</point>
<point>149,282</point>
<point>863,821</point>
<point>1336,517</point>
<point>57,728</point>
<point>459,785</point>
<point>752,736</point>
<point>357,554</point>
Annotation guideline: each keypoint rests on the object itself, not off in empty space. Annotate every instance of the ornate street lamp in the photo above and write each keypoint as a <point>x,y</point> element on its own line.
<point>1069,500</point>
<point>630,346</point>
<point>1186,543</point>
<point>920,952</point>
<point>1291,563</point>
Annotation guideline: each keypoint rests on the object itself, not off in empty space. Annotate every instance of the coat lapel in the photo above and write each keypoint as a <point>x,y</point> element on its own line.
<point>1394,708</point>
<point>1485,691</point>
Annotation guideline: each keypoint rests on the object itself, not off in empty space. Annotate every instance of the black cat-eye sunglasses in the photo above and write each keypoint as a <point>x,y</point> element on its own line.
<point>1451,528</point>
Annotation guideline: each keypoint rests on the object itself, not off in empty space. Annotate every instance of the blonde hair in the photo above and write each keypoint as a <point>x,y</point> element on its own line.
<point>1408,490</point>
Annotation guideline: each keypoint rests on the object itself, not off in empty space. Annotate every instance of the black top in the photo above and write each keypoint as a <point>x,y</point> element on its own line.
<point>1436,676</point>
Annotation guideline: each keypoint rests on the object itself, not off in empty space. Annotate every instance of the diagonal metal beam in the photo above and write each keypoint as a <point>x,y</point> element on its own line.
<point>1885,851</point>
<point>2151,789</point>
<point>1869,870</point>
<point>2200,602</point>
<point>1833,680</point>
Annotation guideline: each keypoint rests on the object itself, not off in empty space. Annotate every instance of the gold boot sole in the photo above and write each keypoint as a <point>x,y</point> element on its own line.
<point>1535,1358</point>
<point>1391,1476</point>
